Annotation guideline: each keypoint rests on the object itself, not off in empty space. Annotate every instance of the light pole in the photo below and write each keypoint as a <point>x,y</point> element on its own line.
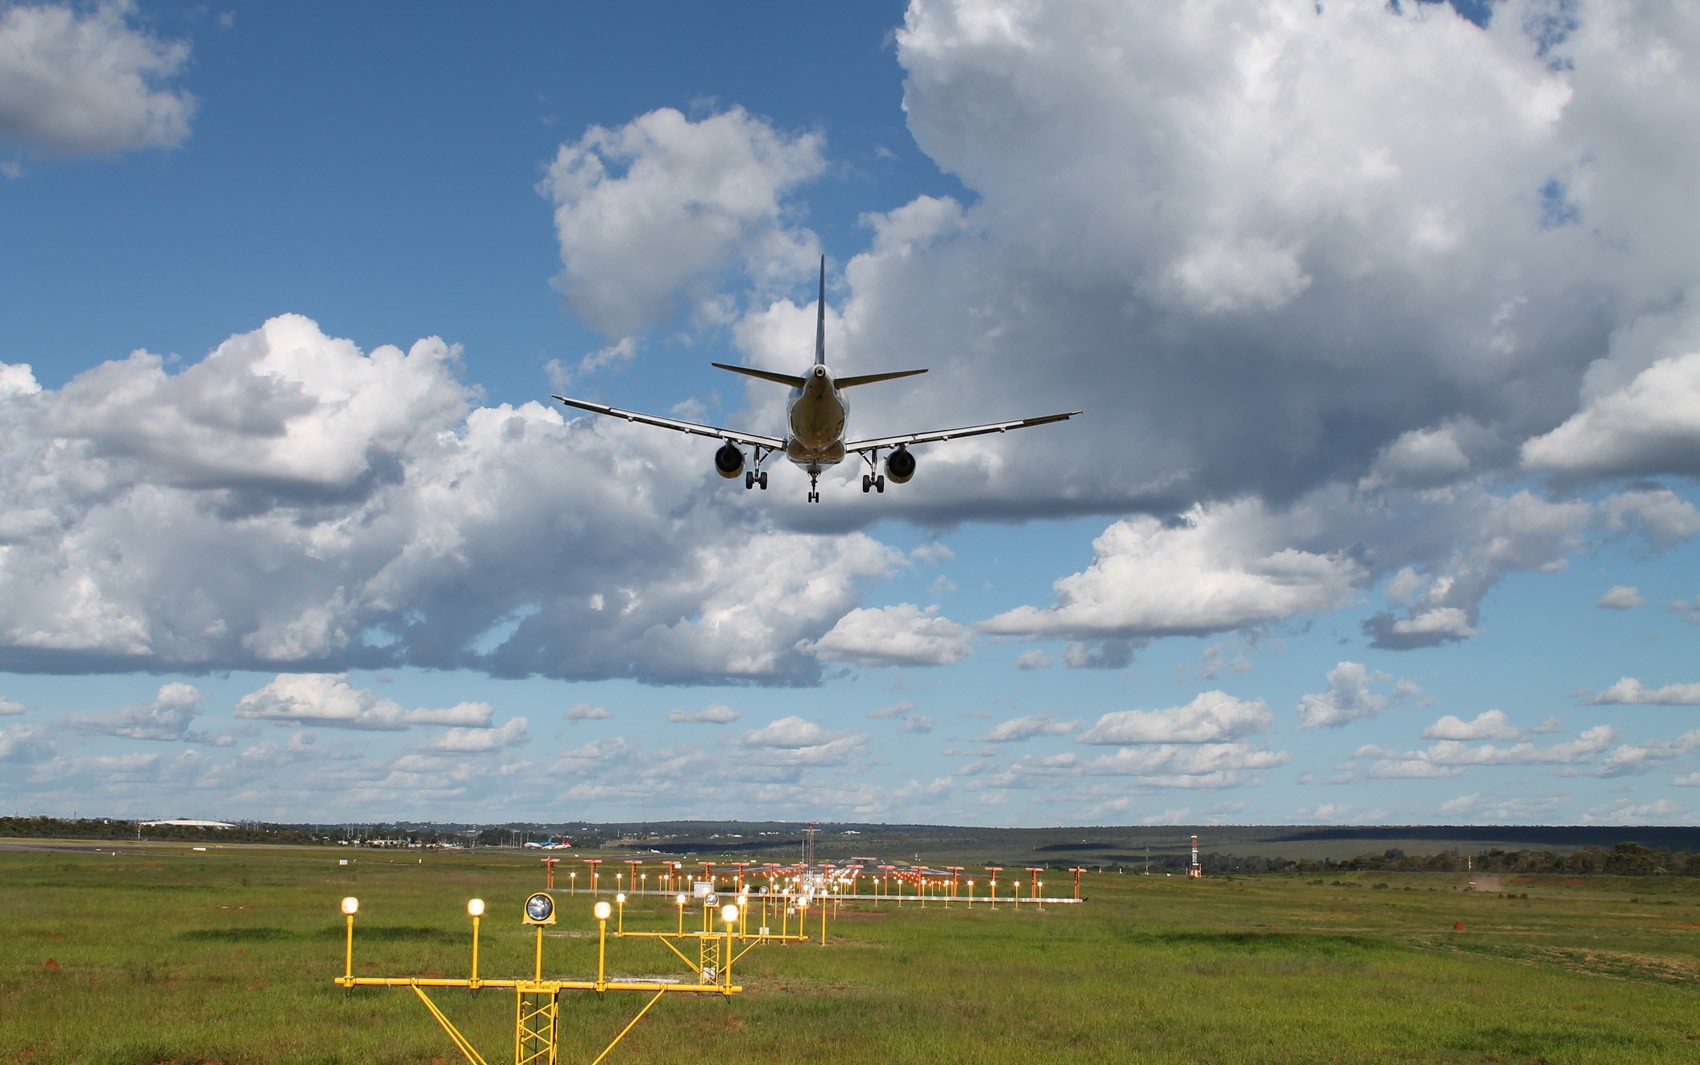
<point>350,906</point>
<point>600,910</point>
<point>728,914</point>
<point>475,910</point>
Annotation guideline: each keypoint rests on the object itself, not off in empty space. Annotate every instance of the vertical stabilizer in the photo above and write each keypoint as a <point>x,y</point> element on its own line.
<point>820,320</point>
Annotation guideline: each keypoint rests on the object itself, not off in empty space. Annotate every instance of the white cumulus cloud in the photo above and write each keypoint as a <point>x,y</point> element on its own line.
<point>1488,725</point>
<point>657,208</point>
<point>1222,568</point>
<point>1348,698</point>
<point>330,701</point>
<point>88,81</point>
<point>511,733</point>
<point>900,635</point>
<point>1026,727</point>
<point>713,714</point>
<point>1211,717</point>
<point>1629,691</point>
<point>1621,597</point>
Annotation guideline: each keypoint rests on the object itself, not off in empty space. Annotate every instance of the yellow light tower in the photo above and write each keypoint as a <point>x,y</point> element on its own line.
<point>536,1000</point>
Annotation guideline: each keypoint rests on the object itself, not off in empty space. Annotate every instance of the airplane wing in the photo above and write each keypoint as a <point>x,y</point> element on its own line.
<point>859,446</point>
<point>748,439</point>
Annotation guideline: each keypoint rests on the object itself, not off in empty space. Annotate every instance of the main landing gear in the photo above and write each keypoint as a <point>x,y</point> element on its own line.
<point>757,477</point>
<point>873,480</point>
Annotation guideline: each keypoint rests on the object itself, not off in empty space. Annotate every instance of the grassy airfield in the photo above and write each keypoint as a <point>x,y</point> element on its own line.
<point>159,953</point>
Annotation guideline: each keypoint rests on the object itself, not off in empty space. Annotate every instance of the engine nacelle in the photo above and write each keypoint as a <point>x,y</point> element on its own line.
<point>728,461</point>
<point>899,466</point>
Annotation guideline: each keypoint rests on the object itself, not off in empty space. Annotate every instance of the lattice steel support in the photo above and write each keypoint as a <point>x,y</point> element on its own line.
<point>536,1024</point>
<point>708,959</point>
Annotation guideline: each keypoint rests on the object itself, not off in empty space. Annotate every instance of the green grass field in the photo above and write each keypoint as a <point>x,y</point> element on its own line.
<point>163,954</point>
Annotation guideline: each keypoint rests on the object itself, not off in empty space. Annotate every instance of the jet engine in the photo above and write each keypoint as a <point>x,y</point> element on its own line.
<point>728,461</point>
<point>900,466</point>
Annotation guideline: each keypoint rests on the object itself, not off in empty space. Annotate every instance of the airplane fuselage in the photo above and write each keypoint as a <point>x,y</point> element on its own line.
<point>815,418</point>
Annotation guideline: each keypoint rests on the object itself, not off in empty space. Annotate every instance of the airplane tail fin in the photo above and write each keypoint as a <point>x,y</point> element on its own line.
<point>820,320</point>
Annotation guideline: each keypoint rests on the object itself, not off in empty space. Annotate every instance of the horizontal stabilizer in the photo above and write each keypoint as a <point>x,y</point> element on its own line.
<point>870,378</point>
<point>766,375</point>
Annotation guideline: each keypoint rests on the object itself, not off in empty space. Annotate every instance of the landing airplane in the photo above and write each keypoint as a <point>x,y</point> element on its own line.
<point>815,419</point>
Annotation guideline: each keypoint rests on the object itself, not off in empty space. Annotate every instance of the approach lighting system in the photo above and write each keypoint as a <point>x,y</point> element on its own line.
<point>729,913</point>
<point>350,905</point>
<point>540,909</point>
<point>475,907</point>
<point>602,910</point>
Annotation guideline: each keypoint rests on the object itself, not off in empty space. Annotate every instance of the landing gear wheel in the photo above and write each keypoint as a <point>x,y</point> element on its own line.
<point>879,484</point>
<point>814,497</point>
<point>867,483</point>
<point>761,479</point>
<point>749,480</point>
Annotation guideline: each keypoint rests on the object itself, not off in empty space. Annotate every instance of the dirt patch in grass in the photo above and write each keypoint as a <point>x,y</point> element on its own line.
<point>781,987</point>
<point>1611,964</point>
<point>1625,965</point>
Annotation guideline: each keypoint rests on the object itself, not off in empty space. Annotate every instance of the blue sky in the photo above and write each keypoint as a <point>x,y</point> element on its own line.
<point>1382,508</point>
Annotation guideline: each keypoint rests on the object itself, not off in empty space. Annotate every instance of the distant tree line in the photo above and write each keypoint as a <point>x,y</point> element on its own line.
<point>366,835</point>
<point>1625,859</point>
<point>99,828</point>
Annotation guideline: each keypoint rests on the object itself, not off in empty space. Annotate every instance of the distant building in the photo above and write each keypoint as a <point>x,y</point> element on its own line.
<point>184,822</point>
